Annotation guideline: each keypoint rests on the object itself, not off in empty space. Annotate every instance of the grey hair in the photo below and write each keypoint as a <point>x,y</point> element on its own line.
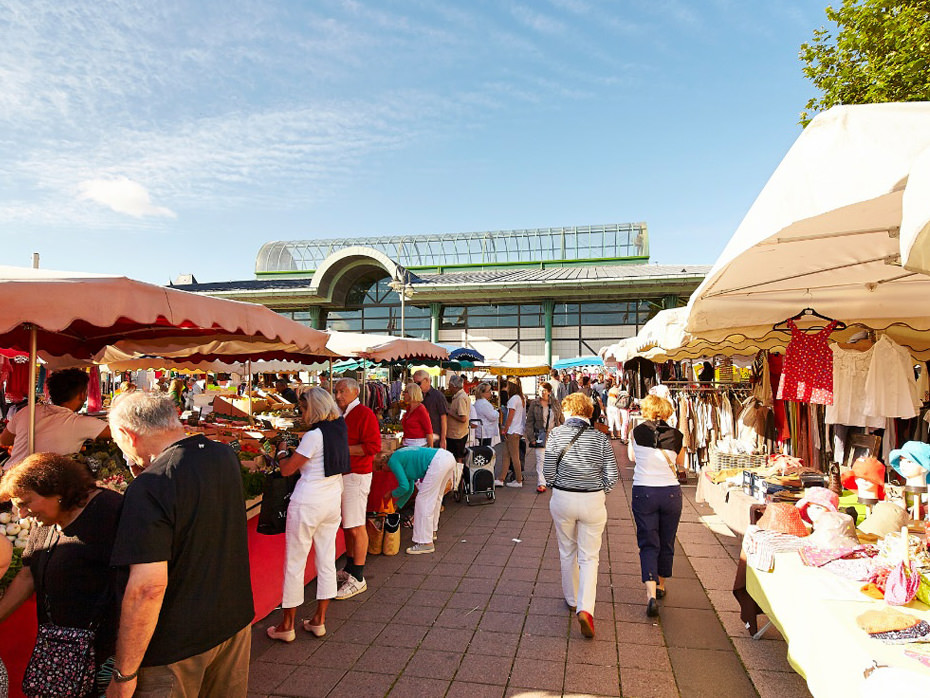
<point>317,405</point>
<point>420,375</point>
<point>455,382</point>
<point>483,387</point>
<point>144,413</point>
<point>349,383</point>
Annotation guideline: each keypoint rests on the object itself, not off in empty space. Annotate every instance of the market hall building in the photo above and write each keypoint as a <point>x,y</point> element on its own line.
<point>519,297</point>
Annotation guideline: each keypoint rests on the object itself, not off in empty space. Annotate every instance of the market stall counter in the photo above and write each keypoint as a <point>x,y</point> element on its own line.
<point>816,613</point>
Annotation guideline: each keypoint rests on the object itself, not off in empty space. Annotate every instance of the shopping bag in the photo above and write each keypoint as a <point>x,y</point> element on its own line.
<point>391,534</point>
<point>272,518</point>
<point>375,527</point>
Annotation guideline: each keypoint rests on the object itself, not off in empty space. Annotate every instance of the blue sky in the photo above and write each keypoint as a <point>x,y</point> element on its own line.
<point>157,138</point>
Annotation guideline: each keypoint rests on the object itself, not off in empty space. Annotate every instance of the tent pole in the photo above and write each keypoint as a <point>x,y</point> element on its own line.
<point>330,375</point>
<point>33,380</point>
<point>248,390</point>
<point>364,387</point>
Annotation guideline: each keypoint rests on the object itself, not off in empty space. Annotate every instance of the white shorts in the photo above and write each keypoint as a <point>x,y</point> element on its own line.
<point>355,489</point>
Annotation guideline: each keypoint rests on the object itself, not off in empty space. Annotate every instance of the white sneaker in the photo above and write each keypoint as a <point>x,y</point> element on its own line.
<point>514,484</point>
<point>498,483</point>
<point>342,576</point>
<point>351,587</point>
<point>421,549</point>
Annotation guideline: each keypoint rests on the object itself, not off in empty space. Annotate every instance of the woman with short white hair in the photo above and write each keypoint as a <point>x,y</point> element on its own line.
<point>315,510</point>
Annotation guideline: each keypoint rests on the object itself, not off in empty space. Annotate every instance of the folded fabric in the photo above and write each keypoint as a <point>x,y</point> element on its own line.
<point>761,545</point>
<point>916,633</point>
<point>856,569</point>
<point>818,557</point>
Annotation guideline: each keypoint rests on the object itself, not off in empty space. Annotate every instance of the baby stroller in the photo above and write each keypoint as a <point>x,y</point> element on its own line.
<point>478,474</point>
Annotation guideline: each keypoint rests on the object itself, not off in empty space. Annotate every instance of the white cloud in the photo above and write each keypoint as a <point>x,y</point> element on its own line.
<point>537,21</point>
<point>123,196</point>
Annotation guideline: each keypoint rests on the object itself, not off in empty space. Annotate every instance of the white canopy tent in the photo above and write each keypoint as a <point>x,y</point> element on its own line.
<point>823,233</point>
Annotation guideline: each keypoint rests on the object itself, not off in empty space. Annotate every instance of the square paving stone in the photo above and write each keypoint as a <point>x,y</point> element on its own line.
<point>508,603</point>
<point>693,628</point>
<point>549,626</point>
<point>447,639</point>
<point>640,633</point>
<point>418,687</point>
<point>468,599</point>
<point>495,644</point>
<point>501,622</point>
<point>430,597</point>
<point>536,673</point>
<point>462,689</point>
<point>654,657</point>
<point>264,677</point>
<point>402,635</point>
<point>772,656</point>
<point>412,614</point>
<point>433,664</point>
<point>384,659</point>
<point>362,683</point>
<point>478,668</point>
<point>459,618</point>
<point>645,683</point>
<point>599,680</point>
<point>361,632</point>
<point>376,612</point>
<point>336,655</point>
<point>296,652</point>
<point>513,588</point>
<point>592,652</point>
<point>310,682</point>
<point>702,672</point>
<point>535,647</point>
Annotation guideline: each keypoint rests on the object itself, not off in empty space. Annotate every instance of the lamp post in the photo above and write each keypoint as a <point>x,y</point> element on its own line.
<point>401,284</point>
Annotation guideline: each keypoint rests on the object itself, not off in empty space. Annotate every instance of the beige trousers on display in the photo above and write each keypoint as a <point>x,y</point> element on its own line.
<point>579,518</point>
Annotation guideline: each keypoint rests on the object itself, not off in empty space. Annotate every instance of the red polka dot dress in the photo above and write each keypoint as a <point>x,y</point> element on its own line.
<point>808,370</point>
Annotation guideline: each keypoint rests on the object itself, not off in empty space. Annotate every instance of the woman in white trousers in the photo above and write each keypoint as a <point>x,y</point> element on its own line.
<point>580,468</point>
<point>314,512</point>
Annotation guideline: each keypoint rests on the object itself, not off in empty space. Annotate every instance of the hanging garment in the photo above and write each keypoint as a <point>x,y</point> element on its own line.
<point>850,373</point>
<point>808,370</point>
<point>890,388</point>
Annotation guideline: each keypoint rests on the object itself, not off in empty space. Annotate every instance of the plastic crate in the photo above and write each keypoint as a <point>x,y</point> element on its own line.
<point>722,461</point>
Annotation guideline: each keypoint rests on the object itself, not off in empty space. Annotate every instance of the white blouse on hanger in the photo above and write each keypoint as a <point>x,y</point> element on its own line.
<point>850,372</point>
<point>891,389</point>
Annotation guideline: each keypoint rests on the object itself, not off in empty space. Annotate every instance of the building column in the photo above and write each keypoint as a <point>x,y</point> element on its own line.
<point>548,308</point>
<point>317,321</point>
<point>670,301</point>
<point>434,311</point>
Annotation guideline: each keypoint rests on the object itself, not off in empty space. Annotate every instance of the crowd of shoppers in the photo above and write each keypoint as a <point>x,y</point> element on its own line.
<point>136,574</point>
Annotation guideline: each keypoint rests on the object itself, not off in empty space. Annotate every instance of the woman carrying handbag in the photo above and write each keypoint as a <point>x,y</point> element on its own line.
<point>580,468</point>
<point>656,449</point>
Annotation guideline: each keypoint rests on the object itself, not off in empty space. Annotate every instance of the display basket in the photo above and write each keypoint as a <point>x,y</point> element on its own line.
<point>723,461</point>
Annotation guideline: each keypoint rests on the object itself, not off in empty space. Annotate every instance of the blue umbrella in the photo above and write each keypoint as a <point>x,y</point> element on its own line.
<point>459,353</point>
<point>578,362</point>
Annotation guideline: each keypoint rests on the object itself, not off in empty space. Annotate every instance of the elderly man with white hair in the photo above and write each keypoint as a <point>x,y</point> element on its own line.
<point>457,424</point>
<point>437,407</point>
<point>364,444</point>
<point>185,625</point>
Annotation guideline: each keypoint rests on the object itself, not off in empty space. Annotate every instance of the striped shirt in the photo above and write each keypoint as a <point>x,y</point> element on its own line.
<point>589,465</point>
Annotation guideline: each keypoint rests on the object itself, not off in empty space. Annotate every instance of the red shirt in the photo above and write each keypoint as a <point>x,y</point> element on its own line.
<point>363,431</point>
<point>416,424</point>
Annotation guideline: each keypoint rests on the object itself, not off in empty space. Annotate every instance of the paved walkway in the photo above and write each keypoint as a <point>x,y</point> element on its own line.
<point>484,616</point>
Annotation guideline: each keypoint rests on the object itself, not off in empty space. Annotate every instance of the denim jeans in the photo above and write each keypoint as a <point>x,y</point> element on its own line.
<point>656,511</point>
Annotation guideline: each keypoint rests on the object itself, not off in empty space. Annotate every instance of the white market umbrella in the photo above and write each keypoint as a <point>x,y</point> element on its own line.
<point>823,234</point>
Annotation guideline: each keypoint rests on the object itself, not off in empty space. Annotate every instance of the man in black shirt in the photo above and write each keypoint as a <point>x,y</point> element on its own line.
<point>286,391</point>
<point>436,404</point>
<point>187,603</point>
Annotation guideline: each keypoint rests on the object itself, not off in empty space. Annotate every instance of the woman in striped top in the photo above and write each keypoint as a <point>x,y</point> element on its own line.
<point>656,449</point>
<point>580,468</point>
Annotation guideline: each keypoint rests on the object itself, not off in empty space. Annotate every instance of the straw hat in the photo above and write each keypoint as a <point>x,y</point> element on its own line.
<point>784,518</point>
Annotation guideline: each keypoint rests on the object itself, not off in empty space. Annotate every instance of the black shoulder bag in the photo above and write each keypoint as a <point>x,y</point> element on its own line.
<point>63,662</point>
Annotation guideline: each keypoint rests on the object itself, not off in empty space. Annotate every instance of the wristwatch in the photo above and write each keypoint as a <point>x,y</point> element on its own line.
<point>120,677</point>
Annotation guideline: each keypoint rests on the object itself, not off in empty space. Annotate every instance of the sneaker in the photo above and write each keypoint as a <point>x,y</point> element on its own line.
<point>351,587</point>
<point>341,577</point>
<point>421,549</point>
<point>514,484</point>
<point>498,483</point>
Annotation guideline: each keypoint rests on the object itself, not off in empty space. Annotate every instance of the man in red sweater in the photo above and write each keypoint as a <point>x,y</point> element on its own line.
<point>364,444</point>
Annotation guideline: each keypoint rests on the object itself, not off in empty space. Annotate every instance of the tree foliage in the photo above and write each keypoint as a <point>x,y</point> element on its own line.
<point>879,53</point>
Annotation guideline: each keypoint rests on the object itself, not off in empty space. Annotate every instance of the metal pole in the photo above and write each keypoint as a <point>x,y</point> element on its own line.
<point>33,380</point>
<point>330,375</point>
<point>248,389</point>
<point>403,302</point>
<point>364,387</point>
